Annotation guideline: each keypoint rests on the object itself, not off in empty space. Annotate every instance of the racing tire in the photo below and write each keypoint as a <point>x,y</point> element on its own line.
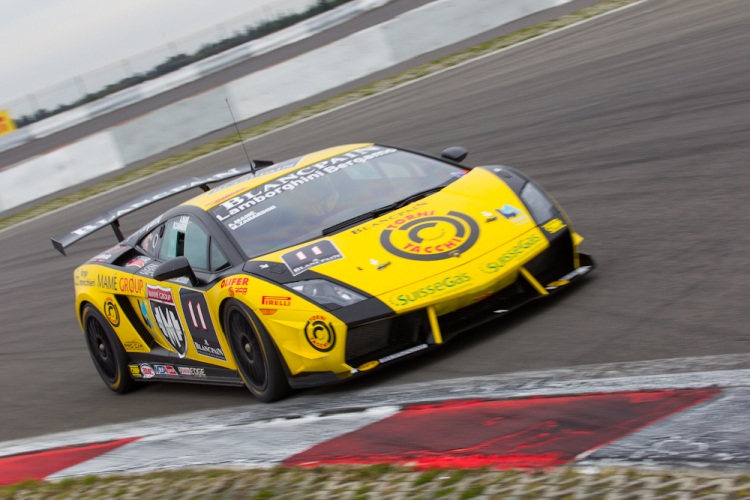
<point>107,352</point>
<point>258,362</point>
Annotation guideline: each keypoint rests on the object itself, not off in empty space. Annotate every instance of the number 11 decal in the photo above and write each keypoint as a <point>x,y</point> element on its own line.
<point>200,324</point>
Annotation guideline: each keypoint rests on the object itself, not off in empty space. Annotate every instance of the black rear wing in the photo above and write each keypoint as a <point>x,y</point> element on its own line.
<point>111,217</point>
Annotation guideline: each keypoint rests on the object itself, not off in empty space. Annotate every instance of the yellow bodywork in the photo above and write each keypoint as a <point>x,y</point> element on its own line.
<point>402,280</point>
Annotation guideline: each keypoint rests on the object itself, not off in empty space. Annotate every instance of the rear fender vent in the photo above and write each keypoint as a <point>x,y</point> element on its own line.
<point>132,316</point>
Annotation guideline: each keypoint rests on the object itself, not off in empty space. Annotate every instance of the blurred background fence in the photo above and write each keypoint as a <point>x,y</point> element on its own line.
<point>266,19</point>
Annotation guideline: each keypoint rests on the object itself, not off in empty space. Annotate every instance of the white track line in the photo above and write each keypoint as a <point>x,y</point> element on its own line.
<point>445,70</point>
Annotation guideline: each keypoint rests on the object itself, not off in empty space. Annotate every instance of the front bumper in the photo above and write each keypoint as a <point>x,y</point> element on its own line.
<point>372,345</point>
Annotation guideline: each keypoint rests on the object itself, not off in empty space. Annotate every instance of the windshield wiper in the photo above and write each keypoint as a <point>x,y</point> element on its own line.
<point>380,211</point>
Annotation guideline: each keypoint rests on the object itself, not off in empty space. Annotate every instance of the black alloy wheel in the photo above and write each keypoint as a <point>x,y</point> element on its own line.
<point>107,353</point>
<point>255,354</point>
<point>245,342</point>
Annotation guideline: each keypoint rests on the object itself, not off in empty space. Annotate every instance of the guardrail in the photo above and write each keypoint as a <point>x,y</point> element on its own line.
<point>427,28</point>
<point>187,74</point>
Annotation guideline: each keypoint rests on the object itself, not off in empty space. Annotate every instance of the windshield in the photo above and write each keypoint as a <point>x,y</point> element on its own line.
<point>296,207</point>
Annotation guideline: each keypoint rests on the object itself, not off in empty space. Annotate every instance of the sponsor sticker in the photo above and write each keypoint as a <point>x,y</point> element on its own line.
<point>111,312</point>
<point>446,285</point>
<point>167,319</point>
<point>234,207</point>
<point>234,282</point>
<point>425,236</point>
<point>320,335</point>
<point>147,371</point>
<point>132,286</point>
<point>269,300</point>
<point>166,370</point>
<point>107,282</point>
<point>181,225</point>
<point>135,371</point>
<point>368,366</point>
<point>315,254</point>
<point>149,226</point>
<point>522,247</point>
<point>134,345</point>
<point>144,312</point>
<point>250,216</point>
<point>200,324</point>
<point>139,262</point>
<point>84,282</point>
<point>148,271</point>
<point>192,372</point>
<point>107,254</point>
<point>554,226</point>
<point>513,214</point>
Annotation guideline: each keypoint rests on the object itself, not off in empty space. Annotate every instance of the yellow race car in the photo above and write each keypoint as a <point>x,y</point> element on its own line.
<point>317,269</point>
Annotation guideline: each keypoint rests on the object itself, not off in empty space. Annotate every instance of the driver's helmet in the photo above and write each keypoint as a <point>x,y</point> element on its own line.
<point>319,197</point>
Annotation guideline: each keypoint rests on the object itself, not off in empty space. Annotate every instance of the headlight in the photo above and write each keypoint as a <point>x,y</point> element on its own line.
<point>324,292</point>
<point>540,207</point>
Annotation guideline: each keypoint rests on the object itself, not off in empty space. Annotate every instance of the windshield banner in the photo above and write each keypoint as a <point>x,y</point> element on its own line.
<point>230,212</point>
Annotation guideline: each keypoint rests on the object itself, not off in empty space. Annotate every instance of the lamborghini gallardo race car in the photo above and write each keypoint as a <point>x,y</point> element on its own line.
<point>318,269</point>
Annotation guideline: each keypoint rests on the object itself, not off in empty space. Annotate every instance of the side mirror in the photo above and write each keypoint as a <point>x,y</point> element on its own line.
<point>175,268</point>
<point>456,153</point>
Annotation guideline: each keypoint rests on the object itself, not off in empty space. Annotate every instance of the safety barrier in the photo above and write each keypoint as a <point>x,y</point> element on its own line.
<point>430,27</point>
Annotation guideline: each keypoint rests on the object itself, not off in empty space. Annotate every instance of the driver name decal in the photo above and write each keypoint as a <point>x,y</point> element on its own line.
<point>167,319</point>
<point>428,237</point>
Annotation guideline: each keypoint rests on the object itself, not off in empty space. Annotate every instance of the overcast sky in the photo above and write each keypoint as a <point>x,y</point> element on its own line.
<point>46,42</point>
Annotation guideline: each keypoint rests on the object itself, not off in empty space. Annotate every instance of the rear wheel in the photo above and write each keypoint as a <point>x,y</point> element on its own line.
<point>106,351</point>
<point>255,354</point>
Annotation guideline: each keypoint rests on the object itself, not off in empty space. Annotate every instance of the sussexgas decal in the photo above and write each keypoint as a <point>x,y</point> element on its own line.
<point>443,286</point>
<point>522,247</point>
<point>426,236</point>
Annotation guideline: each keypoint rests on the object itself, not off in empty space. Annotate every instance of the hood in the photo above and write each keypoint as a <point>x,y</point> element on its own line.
<point>469,218</point>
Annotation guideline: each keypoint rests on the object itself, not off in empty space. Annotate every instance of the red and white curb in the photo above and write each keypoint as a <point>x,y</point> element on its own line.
<point>555,417</point>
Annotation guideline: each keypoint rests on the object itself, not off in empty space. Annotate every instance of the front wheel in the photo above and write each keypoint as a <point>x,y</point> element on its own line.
<point>106,351</point>
<point>253,350</point>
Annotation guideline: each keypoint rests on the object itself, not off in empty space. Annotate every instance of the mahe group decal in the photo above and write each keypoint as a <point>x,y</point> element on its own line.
<point>199,323</point>
<point>427,237</point>
<point>167,319</point>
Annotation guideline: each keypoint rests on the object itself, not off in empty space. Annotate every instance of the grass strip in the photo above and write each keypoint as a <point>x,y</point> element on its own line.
<point>316,109</point>
<point>386,481</point>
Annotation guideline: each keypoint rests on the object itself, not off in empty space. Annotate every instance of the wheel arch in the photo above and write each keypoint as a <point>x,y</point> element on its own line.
<point>274,345</point>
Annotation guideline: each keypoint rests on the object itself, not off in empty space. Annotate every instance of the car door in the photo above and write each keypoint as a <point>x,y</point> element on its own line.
<point>179,312</point>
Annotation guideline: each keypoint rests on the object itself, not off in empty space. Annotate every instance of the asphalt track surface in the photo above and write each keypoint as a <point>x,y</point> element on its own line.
<point>637,122</point>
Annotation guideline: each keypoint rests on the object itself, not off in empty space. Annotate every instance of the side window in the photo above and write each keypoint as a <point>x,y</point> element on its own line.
<point>150,242</point>
<point>218,261</point>
<point>183,237</point>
